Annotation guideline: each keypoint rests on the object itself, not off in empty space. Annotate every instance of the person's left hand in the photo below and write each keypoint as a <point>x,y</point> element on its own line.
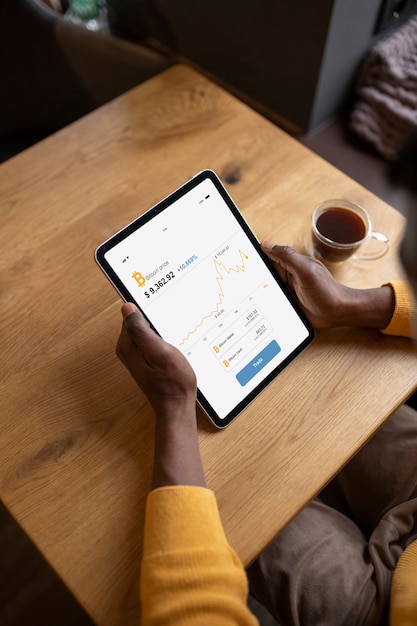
<point>326,302</point>
<point>160,370</point>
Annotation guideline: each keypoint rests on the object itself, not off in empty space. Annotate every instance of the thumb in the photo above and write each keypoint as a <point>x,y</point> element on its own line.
<point>128,309</point>
<point>285,256</point>
<point>135,323</point>
<point>141,334</point>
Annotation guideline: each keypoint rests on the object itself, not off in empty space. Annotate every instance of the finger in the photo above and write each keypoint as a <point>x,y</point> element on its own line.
<point>129,308</point>
<point>134,321</point>
<point>144,338</point>
<point>286,257</point>
<point>125,343</point>
<point>129,337</point>
<point>274,252</point>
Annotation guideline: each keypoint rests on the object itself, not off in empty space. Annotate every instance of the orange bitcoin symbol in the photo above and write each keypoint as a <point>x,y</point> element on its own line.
<point>140,279</point>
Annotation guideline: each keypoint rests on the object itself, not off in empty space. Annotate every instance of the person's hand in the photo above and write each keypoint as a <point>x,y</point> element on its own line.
<point>326,302</point>
<point>160,370</point>
<point>169,382</point>
<point>321,297</point>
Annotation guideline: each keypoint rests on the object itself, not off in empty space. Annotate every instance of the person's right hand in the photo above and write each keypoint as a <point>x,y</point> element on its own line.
<point>169,382</point>
<point>160,370</point>
<point>326,302</point>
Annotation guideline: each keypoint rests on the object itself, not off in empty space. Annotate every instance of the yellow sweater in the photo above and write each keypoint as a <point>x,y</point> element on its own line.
<point>190,574</point>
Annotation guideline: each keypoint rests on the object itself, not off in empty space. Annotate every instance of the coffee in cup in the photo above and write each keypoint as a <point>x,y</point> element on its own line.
<point>339,228</point>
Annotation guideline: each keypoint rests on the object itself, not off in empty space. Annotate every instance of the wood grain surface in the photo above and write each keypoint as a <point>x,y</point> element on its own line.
<point>76,434</point>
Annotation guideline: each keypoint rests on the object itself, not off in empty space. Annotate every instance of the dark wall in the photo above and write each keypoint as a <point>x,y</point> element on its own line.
<point>295,61</point>
<point>354,27</point>
<point>270,50</point>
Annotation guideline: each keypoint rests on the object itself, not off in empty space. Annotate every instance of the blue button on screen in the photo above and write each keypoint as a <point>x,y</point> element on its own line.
<point>263,358</point>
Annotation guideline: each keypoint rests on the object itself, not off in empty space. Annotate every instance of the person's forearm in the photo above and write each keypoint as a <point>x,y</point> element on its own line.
<point>177,455</point>
<point>368,308</point>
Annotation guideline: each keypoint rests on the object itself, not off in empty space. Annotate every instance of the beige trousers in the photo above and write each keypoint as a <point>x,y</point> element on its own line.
<point>333,564</point>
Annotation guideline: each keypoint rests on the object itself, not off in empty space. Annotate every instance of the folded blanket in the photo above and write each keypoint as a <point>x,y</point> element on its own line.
<point>385,110</point>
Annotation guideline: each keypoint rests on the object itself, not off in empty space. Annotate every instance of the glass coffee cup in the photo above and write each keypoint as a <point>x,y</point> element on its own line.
<point>340,228</point>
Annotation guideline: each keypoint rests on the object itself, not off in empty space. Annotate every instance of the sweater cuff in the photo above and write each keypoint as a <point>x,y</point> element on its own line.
<point>403,588</point>
<point>405,310</point>
<point>175,517</point>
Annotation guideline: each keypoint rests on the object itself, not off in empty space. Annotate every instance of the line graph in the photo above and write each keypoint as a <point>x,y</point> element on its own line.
<point>219,277</point>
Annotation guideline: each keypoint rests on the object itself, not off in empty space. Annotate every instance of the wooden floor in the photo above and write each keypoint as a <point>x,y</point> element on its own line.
<point>31,594</point>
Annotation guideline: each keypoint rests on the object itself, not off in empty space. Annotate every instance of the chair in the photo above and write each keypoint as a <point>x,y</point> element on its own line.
<point>54,71</point>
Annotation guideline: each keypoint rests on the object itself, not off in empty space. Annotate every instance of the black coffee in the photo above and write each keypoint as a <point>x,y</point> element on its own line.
<point>341,225</point>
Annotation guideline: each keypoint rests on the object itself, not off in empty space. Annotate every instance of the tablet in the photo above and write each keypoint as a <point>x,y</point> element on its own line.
<point>195,269</point>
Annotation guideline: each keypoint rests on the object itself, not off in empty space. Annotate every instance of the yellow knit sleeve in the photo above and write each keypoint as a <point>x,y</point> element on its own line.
<point>403,611</point>
<point>190,575</point>
<point>405,312</point>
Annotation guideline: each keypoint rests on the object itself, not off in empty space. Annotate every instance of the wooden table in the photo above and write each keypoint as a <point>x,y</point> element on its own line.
<point>76,434</point>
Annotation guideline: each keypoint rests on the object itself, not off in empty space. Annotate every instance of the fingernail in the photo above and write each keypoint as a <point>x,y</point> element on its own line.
<point>127,309</point>
<point>267,245</point>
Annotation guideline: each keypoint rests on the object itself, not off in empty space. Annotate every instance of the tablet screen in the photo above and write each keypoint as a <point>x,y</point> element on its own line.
<point>194,268</point>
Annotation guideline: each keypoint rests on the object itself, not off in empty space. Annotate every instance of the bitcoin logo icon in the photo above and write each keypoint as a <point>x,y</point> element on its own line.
<point>140,279</point>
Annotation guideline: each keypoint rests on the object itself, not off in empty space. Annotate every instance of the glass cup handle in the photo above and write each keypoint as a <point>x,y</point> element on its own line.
<point>383,239</point>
